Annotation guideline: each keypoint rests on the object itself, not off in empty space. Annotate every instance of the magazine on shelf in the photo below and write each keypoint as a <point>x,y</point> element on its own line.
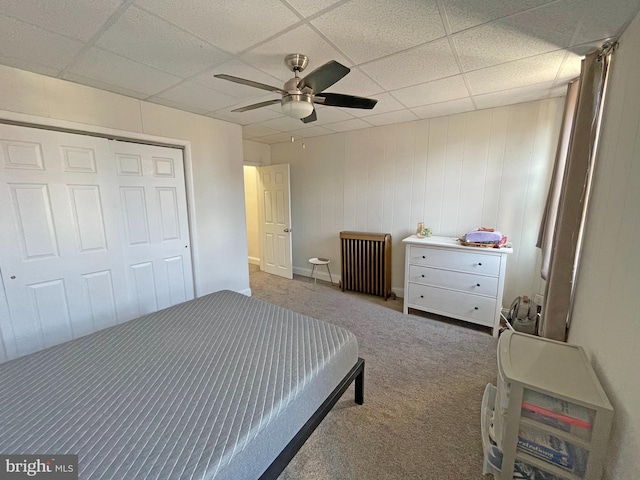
<point>524,471</point>
<point>547,447</point>
<point>563,412</point>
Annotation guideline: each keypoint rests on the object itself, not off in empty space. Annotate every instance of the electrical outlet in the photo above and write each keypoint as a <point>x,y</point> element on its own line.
<point>538,299</point>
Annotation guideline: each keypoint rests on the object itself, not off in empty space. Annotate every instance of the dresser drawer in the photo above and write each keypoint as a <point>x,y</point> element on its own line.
<point>471,262</point>
<point>465,282</point>
<point>465,306</point>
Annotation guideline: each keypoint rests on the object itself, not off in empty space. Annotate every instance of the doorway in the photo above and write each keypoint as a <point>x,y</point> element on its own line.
<point>268,216</point>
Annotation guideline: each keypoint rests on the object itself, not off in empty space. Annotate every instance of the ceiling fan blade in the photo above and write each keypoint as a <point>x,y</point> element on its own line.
<point>256,105</point>
<point>340,100</point>
<point>324,76</point>
<point>251,83</point>
<point>311,118</point>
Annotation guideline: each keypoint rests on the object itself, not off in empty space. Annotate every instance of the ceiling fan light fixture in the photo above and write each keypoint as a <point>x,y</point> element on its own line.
<point>297,105</point>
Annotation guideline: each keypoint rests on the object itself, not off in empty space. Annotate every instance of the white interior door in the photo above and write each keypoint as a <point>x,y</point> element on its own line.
<point>274,201</point>
<point>78,212</point>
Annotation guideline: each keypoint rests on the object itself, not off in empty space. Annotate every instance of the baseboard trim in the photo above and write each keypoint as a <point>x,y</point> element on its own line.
<point>254,261</point>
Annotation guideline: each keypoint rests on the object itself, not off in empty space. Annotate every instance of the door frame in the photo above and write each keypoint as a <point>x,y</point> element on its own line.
<point>35,121</point>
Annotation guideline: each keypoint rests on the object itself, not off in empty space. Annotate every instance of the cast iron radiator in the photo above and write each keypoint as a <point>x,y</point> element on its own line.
<point>366,263</point>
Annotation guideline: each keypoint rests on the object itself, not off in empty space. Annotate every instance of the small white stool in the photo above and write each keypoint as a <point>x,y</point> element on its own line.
<point>319,261</point>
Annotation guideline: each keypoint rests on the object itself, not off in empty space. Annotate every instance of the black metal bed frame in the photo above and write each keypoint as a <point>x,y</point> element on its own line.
<point>287,454</point>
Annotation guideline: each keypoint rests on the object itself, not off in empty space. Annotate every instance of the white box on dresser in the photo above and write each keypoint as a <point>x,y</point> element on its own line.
<point>446,278</point>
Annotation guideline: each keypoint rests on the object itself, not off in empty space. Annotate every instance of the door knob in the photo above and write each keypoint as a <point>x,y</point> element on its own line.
<point>287,230</point>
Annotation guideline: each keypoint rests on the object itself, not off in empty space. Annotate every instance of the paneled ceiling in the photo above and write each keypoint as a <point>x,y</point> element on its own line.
<point>418,58</point>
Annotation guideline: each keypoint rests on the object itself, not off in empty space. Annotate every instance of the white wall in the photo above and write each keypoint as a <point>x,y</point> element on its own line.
<point>606,318</point>
<point>486,168</point>
<point>255,153</point>
<point>216,179</point>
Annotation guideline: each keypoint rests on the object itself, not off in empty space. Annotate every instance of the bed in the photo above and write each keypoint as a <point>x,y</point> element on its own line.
<point>224,387</point>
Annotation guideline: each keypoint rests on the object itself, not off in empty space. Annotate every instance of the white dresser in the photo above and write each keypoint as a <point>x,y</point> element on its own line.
<point>446,278</point>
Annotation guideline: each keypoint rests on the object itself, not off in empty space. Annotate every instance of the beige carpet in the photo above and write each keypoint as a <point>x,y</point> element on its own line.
<point>423,387</point>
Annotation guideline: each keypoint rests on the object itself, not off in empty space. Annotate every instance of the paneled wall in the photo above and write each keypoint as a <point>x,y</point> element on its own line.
<point>606,319</point>
<point>486,168</point>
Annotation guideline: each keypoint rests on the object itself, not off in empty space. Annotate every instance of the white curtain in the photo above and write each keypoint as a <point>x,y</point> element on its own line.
<point>564,254</point>
<point>547,226</point>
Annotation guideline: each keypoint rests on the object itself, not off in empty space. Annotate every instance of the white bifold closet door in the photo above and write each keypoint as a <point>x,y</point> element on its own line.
<point>93,232</point>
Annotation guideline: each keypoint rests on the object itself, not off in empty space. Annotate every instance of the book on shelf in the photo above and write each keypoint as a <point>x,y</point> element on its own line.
<point>536,404</point>
<point>552,449</point>
<point>547,447</point>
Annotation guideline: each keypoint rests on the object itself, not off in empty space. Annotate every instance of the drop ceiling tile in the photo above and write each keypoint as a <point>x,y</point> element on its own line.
<point>250,116</point>
<point>111,69</point>
<point>278,138</point>
<point>356,83</point>
<point>92,82</point>
<point>29,66</point>
<point>530,33</point>
<point>538,69</point>
<point>463,14</point>
<point>237,68</point>
<point>392,117</point>
<point>244,118</point>
<point>79,19</point>
<point>451,88</point>
<point>255,130</point>
<point>330,115</point>
<point>192,95</point>
<point>347,125</point>
<point>269,57</point>
<point>386,103</point>
<point>145,38</point>
<point>573,60</point>
<point>444,108</point>
<point>583,49</point>
<point>368,29</point>
<point>314,131</point>
<point>311,7</point>
<point>286,124</point>
<point>603,19</point>
<point>33,45</point>
<point>231,26</point>
<point>516,95</point>
<point>422,64</point>
<point>178,105</point>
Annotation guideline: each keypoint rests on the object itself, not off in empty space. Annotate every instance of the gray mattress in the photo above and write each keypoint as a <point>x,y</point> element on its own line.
<point>212,388</point>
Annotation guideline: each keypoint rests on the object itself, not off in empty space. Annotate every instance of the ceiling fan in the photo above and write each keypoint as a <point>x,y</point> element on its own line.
<point>299,94</point>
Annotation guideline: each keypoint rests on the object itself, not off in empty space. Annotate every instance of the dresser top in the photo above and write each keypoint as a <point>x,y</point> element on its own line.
<point>449,242</point>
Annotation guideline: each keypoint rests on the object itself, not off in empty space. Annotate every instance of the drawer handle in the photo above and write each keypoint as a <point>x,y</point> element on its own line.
<point>477,284</point>
<point>421,296</point>
<point>423,256</point>
<point>475,308</point>
<point>480,264</point>
<point>422,276</point>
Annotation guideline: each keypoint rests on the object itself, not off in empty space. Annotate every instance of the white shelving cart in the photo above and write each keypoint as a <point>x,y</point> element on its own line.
<point>548,417</point>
